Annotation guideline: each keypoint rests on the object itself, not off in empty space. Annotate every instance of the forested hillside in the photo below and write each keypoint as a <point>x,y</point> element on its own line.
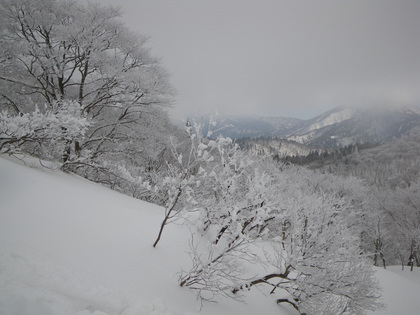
<point>392,173</point>
<point>393,164</point>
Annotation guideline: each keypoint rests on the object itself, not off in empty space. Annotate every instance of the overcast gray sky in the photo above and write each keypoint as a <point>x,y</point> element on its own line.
<point>286,58</point>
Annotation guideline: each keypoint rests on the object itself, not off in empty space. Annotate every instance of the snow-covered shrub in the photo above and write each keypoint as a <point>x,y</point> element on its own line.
<point>316,257</point>
<point>187,172</point>
<point>307,216</point>
<point>47,134</point>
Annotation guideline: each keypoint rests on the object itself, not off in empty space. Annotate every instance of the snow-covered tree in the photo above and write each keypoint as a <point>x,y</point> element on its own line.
<point>46,133</point>
<point>401,208</point>
<point>55,50</point>
<point>59,53</point>
<point>311,220</point>
<point>316,259</point>
<point>235,211</point>
<point>186,172</point>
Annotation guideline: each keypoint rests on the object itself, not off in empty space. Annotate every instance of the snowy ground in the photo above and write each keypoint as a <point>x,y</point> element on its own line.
<point>69,246</point>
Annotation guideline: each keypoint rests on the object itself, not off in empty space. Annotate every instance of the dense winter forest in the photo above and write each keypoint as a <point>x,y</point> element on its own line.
<point>79,89</point>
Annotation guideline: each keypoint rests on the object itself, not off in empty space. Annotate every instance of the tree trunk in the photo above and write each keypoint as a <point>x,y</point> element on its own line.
<point>167,216</point>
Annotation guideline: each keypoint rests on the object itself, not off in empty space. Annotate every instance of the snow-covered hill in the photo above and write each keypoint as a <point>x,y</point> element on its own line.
<point>344,126</point>
<point>329,118</point>
<point>69,246</point>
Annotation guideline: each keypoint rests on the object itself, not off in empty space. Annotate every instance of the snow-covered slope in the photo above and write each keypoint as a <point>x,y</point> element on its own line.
<point>400,290</point>
<point>329,118</point>
<point>69,246</point>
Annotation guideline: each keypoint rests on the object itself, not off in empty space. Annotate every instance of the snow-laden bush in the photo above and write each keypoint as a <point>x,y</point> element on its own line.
<point>46,134</point>
<point>291,230</point>
<point>186,174</point>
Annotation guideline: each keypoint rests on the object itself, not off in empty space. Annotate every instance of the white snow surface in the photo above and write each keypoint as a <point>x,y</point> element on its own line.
<point>69,246</point>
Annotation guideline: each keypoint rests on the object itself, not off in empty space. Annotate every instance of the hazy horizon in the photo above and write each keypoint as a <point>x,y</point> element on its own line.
<point>283,58</point>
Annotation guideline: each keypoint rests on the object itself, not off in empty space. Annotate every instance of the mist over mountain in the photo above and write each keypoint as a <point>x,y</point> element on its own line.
<point>335,128</point>
<point>344,126</point>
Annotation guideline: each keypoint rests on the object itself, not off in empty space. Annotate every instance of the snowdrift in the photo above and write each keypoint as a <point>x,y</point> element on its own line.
<point>69,246</point>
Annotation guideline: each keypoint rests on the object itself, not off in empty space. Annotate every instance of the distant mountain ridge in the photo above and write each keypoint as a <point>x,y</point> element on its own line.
<point>344,126</point>
<point>338,127</point>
